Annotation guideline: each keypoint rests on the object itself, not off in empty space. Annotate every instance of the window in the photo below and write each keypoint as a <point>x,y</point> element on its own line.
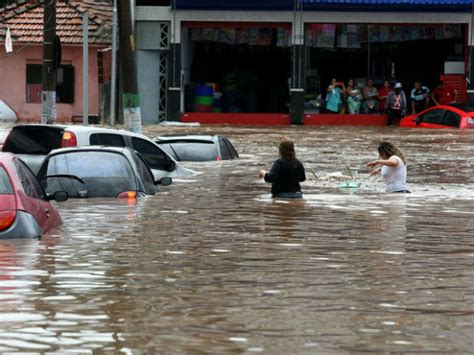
<point>64,86</point>
<point>192,150</point>
<point>451,119</point>
<point>29,182</point>
<point>433,117</point>
<point>154,156</point>
<point>225,153</point>
<point>33,140</point>
<point>5,183</point>
<point>232,150</point>
<point>114,140</point>
<point>145,174</point>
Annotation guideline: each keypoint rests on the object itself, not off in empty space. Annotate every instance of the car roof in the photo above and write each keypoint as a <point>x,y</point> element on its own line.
<point>81,128</point>
<point>190,137</point>
<point>88,148</point>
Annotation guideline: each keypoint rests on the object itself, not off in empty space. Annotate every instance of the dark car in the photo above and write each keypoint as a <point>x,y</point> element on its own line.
<point>97,171</point>
<point>25,208</point>
<point>197,147</point>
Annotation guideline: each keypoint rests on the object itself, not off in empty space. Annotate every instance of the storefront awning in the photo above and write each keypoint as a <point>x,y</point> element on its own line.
<point>332,5</point>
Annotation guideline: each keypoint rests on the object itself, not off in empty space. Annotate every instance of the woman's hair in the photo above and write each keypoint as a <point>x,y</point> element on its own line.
<point>287,149</point>
<point>387,149</point>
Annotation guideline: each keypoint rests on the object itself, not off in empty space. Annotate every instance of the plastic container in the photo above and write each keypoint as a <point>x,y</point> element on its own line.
<point>202,90</point>
<point>204,108</point>
<point>204,100</point>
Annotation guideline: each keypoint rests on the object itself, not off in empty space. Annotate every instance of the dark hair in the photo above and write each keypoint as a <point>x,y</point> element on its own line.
<point>387,149</point>
<point>287,149</point>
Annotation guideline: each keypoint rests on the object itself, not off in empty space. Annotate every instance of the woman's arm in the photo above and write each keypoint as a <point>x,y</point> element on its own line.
<point>393,162</point>
<point>273,174</point>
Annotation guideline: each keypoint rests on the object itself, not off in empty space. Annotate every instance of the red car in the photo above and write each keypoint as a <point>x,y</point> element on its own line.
<point>25,209</point>
<point>440,117</point>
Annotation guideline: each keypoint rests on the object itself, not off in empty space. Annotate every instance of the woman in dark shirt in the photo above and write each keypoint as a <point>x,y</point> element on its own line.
<point>286,173</point>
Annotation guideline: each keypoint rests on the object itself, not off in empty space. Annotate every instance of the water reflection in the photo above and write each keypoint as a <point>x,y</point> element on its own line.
<point>214,265</point>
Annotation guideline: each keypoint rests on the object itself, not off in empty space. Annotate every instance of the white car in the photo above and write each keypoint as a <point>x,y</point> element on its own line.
<point>32,143</point>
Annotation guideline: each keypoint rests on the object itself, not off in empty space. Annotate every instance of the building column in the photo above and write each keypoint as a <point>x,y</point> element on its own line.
<point>174,82</point>
<point>298,67</point>
<point>297,85</point>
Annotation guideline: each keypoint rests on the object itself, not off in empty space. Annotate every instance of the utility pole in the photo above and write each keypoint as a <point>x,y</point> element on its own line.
<point>131,100</point>
<point>85,69</point>
<point>113,84</point>
<point>48,95</point>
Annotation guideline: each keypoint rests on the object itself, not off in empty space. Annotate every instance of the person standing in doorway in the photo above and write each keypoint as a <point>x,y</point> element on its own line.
<point>444,94</point>
<point>354,98</point>
<point>334,97</point>
<point>383,94</point>
<point>391,165</point>
<point>420,98</point>
<point>371,98</point>
<point>396,105</point>
<point>286,173</point>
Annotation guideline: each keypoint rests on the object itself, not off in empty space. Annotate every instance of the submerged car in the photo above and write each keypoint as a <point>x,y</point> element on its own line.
<point>25,208</point>
<point>97,171</point>
<point>33,142</point>
<point>441,117</point>
<point>197,147</point>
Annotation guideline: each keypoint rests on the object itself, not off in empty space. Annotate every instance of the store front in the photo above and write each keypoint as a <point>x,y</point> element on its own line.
<point>399,53</point>
<point>237,68</point>
<point>240,61</point>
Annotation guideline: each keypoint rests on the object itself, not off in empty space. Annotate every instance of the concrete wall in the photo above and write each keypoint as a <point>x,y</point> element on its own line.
<point>13,82</point>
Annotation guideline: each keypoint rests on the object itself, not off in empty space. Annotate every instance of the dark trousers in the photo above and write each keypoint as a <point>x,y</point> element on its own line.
<point>394,116</point>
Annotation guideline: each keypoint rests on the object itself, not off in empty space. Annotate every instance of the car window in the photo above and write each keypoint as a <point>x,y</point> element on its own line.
<point>232,150</point>
<point>433,117</point>
<point>225,153</point>
<point>110,139</point>
<point>193,151</point>
<point>451,119</point>
<point>30,183</point>
<point>105,173</point>
<point>153,155</point>
<point>33,140</point>
<point>145,174</point>
<point>6,187</point>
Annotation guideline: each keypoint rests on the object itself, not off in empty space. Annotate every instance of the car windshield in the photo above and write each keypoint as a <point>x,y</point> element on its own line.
<point>104,174</point>
<point>191,150</point>
<point>33,140</point>
<point>5,184</point>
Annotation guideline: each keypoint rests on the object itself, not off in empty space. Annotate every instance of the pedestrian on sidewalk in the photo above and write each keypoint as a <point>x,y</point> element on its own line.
<point>396,105</point>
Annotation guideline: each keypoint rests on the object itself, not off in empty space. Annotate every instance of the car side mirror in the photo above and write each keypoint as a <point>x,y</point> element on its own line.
<point>164,181</point>
<point>58,196</point>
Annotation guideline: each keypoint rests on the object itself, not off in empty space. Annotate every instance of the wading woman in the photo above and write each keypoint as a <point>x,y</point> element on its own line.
<point>392,167</point>
<point>286,173</point>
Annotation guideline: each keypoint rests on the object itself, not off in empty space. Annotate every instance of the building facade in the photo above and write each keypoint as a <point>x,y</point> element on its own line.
<point>277,57</point>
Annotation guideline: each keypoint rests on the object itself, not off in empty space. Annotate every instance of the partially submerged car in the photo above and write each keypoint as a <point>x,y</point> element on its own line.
<point>194,147</point>
<point>97,171</point>
<point>25,208</point>
<point>441,117</point>
<point>33,142</point>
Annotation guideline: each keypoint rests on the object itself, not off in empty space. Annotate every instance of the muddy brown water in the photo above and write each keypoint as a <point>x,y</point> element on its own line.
<point>213,265</point>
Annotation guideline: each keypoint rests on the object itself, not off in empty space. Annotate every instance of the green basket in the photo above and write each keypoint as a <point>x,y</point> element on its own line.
<point>204,100</point>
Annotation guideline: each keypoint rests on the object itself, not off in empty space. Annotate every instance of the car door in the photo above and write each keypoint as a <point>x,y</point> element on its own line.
<point>224,150</point>
<point>45,214</point>
<point>159,162</point>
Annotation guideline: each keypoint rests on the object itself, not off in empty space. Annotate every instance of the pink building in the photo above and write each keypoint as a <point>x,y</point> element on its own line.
<point>20,71</point>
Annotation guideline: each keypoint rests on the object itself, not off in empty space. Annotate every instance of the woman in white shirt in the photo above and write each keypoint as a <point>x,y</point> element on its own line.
<point>392,167</point>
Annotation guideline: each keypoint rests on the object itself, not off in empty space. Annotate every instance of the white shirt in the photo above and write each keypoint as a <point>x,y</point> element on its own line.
<point>395,178</point>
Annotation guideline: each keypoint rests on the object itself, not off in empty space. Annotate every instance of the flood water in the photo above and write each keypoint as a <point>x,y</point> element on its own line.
<point>213,265</point>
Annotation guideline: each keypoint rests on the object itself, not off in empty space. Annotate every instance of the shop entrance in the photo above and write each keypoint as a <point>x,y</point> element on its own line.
<point>245,69</point>
<point>398,53</point>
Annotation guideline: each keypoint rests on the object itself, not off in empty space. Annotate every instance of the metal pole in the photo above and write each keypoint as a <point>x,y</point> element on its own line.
<point>113,84</point>
<point>49,72</point>
<point>85,70</point>
<point>368,53</point>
